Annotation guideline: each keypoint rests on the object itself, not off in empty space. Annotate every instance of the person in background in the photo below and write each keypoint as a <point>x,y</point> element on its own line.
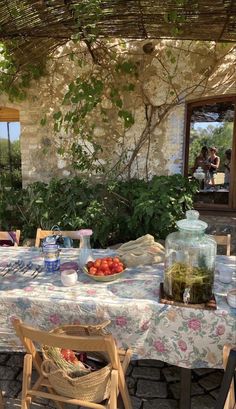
<point>213,165</point>
<point>201,160</point>
<point>228,153</point>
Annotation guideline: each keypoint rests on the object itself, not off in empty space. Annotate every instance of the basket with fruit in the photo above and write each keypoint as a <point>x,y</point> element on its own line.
<point>105,269</point>
<point>74,374</point>
<point>67,360</point>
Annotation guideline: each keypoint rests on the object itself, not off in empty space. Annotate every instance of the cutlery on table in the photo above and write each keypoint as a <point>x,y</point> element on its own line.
<point>26,267</point>
<point>17,265</point>
<point>7,269</point>
<point>38,269</point>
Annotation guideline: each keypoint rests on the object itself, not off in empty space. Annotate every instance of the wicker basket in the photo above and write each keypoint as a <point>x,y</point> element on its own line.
<point>92,387</point>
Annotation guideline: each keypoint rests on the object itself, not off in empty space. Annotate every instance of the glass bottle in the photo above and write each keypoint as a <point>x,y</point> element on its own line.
<point>189,261</point>
<point>85,252</point>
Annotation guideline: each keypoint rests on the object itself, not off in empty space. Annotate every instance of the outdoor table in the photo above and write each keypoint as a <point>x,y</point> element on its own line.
<point>186,337</point>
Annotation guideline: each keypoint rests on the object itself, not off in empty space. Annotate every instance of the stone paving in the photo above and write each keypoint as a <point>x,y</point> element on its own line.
<point>152,385</point>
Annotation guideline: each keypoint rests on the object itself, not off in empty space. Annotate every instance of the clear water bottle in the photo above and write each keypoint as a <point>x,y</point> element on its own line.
<point>85,251</point>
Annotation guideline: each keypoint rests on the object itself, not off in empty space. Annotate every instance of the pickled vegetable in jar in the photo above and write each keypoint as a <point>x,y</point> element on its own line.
<point>190,256</point>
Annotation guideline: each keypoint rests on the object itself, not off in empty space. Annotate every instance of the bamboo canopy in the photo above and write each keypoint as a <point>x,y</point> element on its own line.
<point>213,20</point>
<point>38,27</point>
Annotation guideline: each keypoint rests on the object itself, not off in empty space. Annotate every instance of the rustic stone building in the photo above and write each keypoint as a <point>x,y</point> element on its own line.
<point>169,70</point>
<point>40,160</point>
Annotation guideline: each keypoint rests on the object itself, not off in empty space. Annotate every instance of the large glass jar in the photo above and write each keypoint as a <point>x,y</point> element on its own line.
<point>189,261</point>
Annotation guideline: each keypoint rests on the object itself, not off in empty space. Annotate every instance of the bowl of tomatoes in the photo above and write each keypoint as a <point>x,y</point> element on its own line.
<point>105,269</point>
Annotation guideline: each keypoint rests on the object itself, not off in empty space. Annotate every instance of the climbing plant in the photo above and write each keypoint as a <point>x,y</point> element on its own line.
<point>114,83</point>
<point>110,110</point>
<point>15,77</point>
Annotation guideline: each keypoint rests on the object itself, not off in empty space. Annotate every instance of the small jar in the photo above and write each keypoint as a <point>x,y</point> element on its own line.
<point>51,255</point>
<point>69,277</point>
<point>85,251</point>
<point>231,298</point>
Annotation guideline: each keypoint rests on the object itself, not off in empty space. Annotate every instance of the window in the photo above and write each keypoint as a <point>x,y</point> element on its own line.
<point>211,145</point>
<point>10,155</point>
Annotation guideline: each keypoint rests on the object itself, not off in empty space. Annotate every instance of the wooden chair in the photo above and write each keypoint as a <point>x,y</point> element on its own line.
<point>41,234</point>
<point>4,235</point>
<point>88,343</point>
<point>224,240</point>
<point>226,398</point>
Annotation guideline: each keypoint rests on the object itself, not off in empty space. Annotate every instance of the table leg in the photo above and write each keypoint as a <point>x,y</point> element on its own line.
<point>185,389</point>
<point>1,400</point>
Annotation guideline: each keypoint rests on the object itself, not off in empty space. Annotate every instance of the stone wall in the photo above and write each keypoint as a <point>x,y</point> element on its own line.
<point>165,149</point>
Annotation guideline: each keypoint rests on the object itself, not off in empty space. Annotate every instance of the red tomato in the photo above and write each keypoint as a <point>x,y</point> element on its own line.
<point>106,272</point>
<point>119,269</point>
<point>68,355</point>
<point>110,262</point>
<point>92,271</point>
<point>116,260</point>
<point>97,263</point>
<point>90,264</point>
<point>100,273</point>
<point>114,265</point>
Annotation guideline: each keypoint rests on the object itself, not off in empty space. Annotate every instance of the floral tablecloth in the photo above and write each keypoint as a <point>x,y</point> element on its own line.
<point>181,336</point>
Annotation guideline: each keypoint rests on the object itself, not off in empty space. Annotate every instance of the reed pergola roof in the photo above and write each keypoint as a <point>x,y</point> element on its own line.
<point>41,25</point>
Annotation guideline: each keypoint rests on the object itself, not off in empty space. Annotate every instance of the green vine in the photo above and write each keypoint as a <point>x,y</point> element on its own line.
<point>84,99</point>
<point>16,78</point>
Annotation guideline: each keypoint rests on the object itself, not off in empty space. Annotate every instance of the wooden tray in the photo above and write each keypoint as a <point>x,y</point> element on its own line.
<point>163,299</point>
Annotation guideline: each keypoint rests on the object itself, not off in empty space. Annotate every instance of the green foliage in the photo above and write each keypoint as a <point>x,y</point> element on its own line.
<point>87,29</point>
<point>117,211</point>
<point>83,100</point>
<point>16,78</point>
<point>7,178</point>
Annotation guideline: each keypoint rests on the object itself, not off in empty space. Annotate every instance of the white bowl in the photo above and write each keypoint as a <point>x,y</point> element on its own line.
<point>231,298</point>
<point>69,277</point>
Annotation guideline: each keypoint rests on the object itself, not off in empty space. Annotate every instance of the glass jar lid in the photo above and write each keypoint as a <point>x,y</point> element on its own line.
<point>192,222</point>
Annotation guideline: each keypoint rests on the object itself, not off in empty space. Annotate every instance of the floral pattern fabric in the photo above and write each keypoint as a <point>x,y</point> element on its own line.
<point>180,336</point>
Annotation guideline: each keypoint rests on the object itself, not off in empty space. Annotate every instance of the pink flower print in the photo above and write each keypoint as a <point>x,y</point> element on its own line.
<point>55,319</point>
<point>130,282</point>
<point>28,289</point>
<point>220,330</point>
<point>194,324</point>
<point>121,321</point>
<point>160,347</point>
<point>182,345</point>
<point>91,292</point>
<point>145,326</point>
